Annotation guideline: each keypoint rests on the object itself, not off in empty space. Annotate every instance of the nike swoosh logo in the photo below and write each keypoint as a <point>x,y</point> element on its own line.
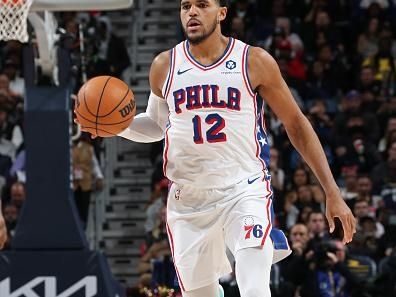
<point>253,180</point>
<point>181,72</point>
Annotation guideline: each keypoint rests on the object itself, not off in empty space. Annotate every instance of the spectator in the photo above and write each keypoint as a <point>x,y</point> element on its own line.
<point>385,172</point>
<point>326,273</point>
<point>370,89</point>
<point>359,123</point>
<point>17,194</point>
<point>365,4</point>
<point>321,31</point>
<point>364,190</point>
<point>367,82</point>
<point>278,181</point>
<point>87,175</point>
<point>383,63</point>
<point>322,124</point>
<point>349,190</point>
<point>319,83</point>
<point>302,177</point>
<point>10,214</point>
<point>239,30</point>
<point>367,44</point>
<point>283,23</point>
<point>10,131</point>
<point>157,255</point>
<point>244,9</point>
<point>11,68</point>
<point>386,110</point>
<point>298,238</point>
<point>11,97</point>
<point>362,212</point>
<point>316,224</point>
<point>157,201</point>
<point>389,135</point>
<point>112,54</point>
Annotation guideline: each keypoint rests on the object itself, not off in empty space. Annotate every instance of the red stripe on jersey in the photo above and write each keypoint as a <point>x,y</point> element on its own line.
<point>269,190</point>
<point>262,118</point>
<point>245,70</point>
<point>173,256</point>
<point>204,68</point>
<point>165,156</point>
<point>172,72</point>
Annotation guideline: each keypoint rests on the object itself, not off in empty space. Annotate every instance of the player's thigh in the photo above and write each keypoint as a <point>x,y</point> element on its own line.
<point>249,219</point>
<point>197,243</point>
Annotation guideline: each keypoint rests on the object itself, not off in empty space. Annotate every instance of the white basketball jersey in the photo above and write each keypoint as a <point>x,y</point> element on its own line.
<point>215,135</point>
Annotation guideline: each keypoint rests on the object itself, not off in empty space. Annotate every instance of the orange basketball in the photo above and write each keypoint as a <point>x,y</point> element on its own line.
<point>105,106</point>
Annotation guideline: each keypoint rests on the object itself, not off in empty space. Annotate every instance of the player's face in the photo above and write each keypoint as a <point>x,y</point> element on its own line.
<point>200,18</point>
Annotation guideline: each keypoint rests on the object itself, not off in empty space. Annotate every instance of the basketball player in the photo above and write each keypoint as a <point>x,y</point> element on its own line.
<point>204,103</point>
<point>3,230</point>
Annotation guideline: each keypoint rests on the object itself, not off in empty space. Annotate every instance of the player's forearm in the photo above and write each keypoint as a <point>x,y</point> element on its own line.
<point>143,129</point>
<point>305,140</point>
<point>150,125</point>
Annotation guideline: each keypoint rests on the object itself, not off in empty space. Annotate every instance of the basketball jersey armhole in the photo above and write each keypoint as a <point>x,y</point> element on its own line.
<point>245,70</point>
<point>169,79</point>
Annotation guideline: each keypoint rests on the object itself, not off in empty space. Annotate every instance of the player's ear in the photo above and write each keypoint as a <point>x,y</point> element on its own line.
<point>222,14</point>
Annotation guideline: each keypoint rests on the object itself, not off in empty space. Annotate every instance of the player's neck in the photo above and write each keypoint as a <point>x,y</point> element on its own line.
<point>209,50</point>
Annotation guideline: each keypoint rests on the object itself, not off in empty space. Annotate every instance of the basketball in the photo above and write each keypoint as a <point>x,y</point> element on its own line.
<point>105,106</point>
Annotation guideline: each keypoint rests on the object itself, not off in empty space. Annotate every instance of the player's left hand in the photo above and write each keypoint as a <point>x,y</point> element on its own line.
<point>337,208</point>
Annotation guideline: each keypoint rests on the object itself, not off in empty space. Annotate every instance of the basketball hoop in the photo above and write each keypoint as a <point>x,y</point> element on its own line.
<point>15,14</point>
<point>13,19</point>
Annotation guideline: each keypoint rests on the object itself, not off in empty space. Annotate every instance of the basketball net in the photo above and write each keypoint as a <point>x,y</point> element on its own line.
<point>13,19</point>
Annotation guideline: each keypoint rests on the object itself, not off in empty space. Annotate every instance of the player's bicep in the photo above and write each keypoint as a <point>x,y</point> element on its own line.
<point>158,72</point>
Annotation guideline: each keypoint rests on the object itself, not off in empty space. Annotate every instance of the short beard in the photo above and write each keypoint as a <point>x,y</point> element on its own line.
<point>199,39</point>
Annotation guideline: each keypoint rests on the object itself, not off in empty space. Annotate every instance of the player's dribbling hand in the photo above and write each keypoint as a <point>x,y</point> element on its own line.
<point>337,208</point>
<point>93,136</point>
<point>74,97</point>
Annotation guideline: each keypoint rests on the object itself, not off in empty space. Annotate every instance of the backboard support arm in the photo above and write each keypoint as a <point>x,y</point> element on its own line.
<point>47,57</point>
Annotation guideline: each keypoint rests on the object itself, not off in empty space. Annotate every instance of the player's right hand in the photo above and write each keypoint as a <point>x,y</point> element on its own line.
<point>74,97</point>
<point>93,136</point>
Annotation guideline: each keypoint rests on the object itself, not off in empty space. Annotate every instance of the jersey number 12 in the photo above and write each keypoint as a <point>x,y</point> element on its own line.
<point>214,133</point>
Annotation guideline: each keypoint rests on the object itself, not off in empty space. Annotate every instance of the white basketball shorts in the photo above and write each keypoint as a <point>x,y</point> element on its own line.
<point>202,223</point>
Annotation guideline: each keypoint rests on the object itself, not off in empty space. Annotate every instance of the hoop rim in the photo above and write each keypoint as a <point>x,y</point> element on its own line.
<point>13,2</point>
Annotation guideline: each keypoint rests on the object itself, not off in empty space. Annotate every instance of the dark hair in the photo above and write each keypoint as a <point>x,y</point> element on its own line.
<point>314,212</point>
<point>223,3</point>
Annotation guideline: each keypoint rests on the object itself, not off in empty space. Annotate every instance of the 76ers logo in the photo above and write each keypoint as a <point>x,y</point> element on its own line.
<point>251,228</point>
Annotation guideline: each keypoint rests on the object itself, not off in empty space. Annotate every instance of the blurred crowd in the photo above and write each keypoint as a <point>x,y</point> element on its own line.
<point>338,59</point>
<point>95,50</point>
<point>12,146</point>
